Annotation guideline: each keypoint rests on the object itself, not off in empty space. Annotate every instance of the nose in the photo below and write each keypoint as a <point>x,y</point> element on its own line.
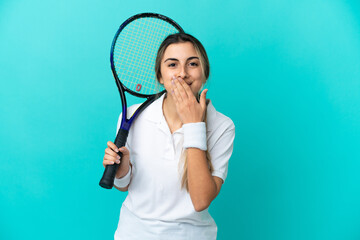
<point>183,73</point>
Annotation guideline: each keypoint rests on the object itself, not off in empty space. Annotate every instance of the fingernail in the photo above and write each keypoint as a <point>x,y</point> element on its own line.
<point>118,157</point>
<point>116,150</point>
<point>118,161</point>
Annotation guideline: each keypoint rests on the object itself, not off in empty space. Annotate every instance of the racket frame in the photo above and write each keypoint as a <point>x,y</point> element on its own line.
<point>107,180</point>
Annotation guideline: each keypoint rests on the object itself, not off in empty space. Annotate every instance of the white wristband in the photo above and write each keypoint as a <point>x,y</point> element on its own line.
<point>124,181</point>
<point>195,135</point>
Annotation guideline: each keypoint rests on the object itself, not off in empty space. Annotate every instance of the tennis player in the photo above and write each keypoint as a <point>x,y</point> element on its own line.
<point>177,152</point>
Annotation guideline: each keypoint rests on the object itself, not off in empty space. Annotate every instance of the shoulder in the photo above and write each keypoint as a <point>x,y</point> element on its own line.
<point>151,113</point>
<point>218,122</point>
<point>132,109</point>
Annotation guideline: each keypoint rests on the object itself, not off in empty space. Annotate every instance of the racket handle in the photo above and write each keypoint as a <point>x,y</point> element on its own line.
<point>107,180</point>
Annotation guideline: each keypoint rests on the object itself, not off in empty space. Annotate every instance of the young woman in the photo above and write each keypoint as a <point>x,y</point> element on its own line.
<point>176,157</point>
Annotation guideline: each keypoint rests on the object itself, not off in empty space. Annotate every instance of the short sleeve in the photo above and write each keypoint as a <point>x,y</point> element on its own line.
<point>221,143</point>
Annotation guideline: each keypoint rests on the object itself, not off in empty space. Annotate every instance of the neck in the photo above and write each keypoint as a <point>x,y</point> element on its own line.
<point>170,113</point>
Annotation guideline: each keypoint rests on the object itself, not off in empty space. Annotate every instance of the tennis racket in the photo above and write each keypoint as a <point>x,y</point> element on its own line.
<point>132,59</point>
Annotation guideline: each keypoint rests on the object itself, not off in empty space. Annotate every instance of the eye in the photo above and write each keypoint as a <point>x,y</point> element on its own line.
<point>193,64</point>
<point>171,64</point>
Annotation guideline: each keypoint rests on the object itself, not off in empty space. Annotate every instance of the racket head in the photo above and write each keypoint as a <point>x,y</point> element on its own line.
<point>134,49</point>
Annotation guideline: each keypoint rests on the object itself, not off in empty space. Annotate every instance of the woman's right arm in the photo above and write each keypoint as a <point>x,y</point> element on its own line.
<point>111,157</point>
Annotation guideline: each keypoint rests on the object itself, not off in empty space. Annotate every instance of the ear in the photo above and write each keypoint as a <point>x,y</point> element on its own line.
<point>161,81</point>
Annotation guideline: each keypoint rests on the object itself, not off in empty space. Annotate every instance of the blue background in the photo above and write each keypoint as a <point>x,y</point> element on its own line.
<point>286,72</point>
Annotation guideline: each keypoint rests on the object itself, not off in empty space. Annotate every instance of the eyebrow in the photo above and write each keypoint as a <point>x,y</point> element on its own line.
<point>174,59</point>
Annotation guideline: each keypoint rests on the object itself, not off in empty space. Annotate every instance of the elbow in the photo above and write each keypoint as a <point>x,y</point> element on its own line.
<point>201,205</point>
<point>201,201</point>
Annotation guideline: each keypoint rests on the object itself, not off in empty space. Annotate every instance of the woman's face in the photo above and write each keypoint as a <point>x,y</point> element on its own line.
<point>180,60</point>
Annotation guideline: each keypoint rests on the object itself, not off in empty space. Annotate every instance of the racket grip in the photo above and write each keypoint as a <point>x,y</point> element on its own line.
<point>107,180</point>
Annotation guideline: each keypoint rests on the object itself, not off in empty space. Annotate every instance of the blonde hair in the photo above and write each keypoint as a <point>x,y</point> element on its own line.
<point>183,161</point>
<point>205,67</point>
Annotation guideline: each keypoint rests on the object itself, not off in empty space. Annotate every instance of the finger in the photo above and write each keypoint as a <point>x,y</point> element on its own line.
<point>187,88</point>
<point>176,94</point>
<point>112,146</point>
<point>181,89</point>
<point>110,152</point>
<point>124,151</point>
<point>108,162</point>
<point>203,98</point>
<point>172,88</point>
<point>112,159</point>
<point>173,96</point>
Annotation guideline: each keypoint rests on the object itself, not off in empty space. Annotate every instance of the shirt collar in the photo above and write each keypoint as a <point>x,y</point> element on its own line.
<point>211,111</point>
<point>154,111</point>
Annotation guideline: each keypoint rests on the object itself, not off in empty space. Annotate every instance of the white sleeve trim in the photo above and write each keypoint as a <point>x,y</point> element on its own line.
<point>219,174</point>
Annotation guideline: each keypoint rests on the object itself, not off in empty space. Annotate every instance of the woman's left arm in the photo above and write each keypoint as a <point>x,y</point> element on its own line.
<point>203,187</point>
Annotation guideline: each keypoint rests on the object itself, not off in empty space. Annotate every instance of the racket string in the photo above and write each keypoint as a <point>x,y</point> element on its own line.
<point>135,53</point>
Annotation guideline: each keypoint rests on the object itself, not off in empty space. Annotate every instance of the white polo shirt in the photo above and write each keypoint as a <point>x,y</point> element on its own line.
<point>156,206</point>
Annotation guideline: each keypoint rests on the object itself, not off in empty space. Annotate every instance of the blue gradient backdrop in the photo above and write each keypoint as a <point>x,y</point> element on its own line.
<point>286,72</point>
